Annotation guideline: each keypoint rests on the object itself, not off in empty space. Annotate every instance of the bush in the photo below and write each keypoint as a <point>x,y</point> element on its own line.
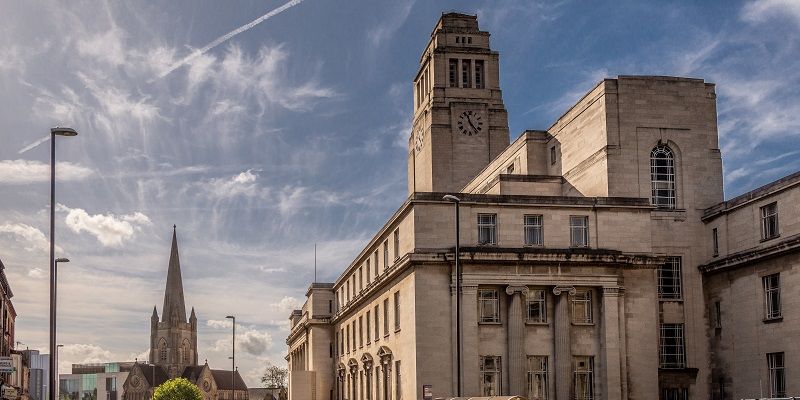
<point>177,389</point>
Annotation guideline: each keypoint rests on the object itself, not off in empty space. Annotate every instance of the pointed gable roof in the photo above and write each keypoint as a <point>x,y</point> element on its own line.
<point>174,307</point>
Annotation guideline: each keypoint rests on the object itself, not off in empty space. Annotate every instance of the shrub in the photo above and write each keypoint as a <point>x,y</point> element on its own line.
<point>177,389</point>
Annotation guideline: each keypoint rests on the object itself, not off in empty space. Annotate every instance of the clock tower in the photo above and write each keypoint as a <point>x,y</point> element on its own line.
<point>460,121</point>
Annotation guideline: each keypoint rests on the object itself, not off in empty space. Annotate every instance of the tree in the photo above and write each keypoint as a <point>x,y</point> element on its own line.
<point>274,376</point>
<point>177,389</point>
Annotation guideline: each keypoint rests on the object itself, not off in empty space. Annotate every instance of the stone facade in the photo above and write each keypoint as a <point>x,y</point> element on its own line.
<point>579,247</point>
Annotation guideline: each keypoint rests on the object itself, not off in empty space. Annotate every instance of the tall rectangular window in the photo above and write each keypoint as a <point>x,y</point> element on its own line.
<point>347,284</point>
<point>669,279</point>
<point>385,255</point>
<point>583,377</point>
<point>582,307</point>
<point>552,155</point>
<point>769,221</point>
<point>466,79</point>
<point>367,268</point>
<point>479,74</point>
<point>488,305</point>
<point>360,331</point>
<point>537,377</point>
<point>717,315</point>
<point>375,261</point>
<point>537,307</point>
<point>348,338</point>
<point>772,296</point>
<point>360,279</point>
<point>579,231</point>
<point>714,242</point>
<point>396,311</point>
<point>396,244</point>
<point>673,393</point>
<point>777,375</point>
<point>672,352</point>
<point>487,228</point>
<point>385,317</point>
<point>369,326</point>
<point>377,324</point>
<point>453,72</point>
<point>341,341</point>
<point>491,378</point>
<point>533,230</point>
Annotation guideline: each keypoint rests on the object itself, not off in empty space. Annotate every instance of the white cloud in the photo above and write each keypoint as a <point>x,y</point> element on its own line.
<point>248,338</point>
<point>77,353</point>
<point>219,323</point>
<point>242,184</point>
<point>32,238</point>
<point>761,10</point>
<point>19,172</point>
<point>106,47</point>
<point>36,273</point>
<point>111,230</point>
<point>288,303</point>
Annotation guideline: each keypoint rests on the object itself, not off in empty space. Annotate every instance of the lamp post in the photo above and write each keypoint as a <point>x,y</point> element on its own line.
<point>57,131</point>
<point>456,201</point>
<point>56,371</point>
<point>233,357</point>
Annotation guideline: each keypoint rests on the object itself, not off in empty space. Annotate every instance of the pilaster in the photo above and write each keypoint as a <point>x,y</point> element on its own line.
<point>516,340</point>
<point>610,345</point>
<point>562,345</point>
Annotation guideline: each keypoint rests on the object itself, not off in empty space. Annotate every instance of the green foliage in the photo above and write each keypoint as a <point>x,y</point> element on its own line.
<point>177,389</point>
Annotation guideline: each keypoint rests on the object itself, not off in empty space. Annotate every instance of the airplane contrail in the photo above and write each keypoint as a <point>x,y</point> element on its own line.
<point>34,144</point>
<point>227,36</point>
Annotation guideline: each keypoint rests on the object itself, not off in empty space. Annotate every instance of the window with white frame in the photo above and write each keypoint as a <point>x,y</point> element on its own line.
<point>453,72</point>
<point>582,307</point>
<point>491,376</point>
<point>487,228</point>
<point>466,77</point>
<point>662,177</point>
<point>777,374</point>
<point>769,221</point>
<point>583,377</point>
<point>533,230</point>
<point>537,306</point>
<point>479,81</point>
<point>579,231</point>
<point>669,279</point>
<point>537,377</point>
<point>772,296</point>
<point>488,306</point>
<point>672,350</point>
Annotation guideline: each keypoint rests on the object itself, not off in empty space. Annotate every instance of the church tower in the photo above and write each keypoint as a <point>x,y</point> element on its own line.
<point>173,339</point>
<point>460,122</point>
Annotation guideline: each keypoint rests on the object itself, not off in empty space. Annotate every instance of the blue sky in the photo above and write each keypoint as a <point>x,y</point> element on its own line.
<point>294,131</point>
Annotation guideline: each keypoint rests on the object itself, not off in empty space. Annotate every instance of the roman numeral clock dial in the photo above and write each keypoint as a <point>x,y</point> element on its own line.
<point>470,123</point>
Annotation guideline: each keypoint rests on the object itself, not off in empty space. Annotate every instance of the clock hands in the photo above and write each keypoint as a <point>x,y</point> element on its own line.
<point>469,119</point>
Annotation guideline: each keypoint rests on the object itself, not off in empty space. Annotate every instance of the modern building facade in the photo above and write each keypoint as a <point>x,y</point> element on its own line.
<point>38,374</point>
<point>173,349</point>
<point>580,249</point>
<point>97,381</point>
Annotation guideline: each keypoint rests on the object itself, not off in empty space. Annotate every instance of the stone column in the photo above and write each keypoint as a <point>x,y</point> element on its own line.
<point>563,342</point>
<point>516,340</point>
<point>611,343</point>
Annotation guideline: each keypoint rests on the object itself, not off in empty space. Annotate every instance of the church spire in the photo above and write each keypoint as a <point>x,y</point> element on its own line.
<point>174,308</point>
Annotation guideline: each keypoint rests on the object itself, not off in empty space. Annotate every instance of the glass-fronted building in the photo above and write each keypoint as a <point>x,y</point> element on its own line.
<point>102,381</point>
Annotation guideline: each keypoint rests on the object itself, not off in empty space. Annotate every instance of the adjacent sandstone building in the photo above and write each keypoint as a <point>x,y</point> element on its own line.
<point>580,247</point>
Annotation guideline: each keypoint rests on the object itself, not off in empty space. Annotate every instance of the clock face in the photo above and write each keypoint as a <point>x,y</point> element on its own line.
<point>470,123</point>
<point>419,139</point>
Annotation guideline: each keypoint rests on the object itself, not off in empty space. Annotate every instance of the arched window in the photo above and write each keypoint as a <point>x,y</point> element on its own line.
<point>162,351</point>
<point>662,177</point>
<point>185,351</point>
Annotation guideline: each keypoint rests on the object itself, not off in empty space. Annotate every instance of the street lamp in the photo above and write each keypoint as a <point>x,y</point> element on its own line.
<point>233,357</point>
<point>456,201</point>
<point>57,131</point>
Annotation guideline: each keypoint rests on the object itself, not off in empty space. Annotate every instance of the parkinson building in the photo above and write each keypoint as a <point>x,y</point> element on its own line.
<point>599,258</point>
